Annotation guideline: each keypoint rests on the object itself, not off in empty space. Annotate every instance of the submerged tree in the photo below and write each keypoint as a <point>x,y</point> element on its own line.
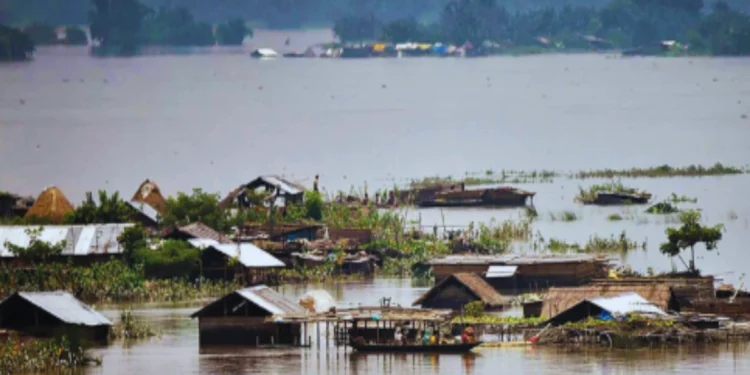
<point>690,234</point>
<point>117,24</point>
<point>75,36</point>
<point>15,45</point>
<point>233,32</point>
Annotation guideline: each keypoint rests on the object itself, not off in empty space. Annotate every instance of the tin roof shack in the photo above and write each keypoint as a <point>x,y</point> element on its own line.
<point>51,206</point>
<point>193,231</point>
<point>559,299</point>
<point>239,318</point>
<point>236,261</point>
<point>685,290</point>
<point>84,244</point>
<point>517,274</point>
<point>49,314</point>
<point>608,308</point>
<point>459,289</point>
<point>289,191</point>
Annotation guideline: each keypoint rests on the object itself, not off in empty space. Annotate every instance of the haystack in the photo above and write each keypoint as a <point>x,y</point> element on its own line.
<point>150,194</point>
<point>51,204</point>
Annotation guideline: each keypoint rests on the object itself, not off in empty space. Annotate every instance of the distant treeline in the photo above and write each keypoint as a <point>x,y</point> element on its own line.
<point>281,13</point>
<point>621,24</point>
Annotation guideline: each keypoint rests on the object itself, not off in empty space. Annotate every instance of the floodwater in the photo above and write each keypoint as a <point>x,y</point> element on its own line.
<point>177,351</point>
<point>215,118</point>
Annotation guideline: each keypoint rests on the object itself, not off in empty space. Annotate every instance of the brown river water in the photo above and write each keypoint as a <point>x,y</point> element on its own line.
<point>214,118</point>
<point>177,351</point>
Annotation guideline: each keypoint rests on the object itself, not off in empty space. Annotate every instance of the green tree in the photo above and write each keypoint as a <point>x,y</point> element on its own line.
<point>314,205</point>
<point>233,32</point>
<point>132,239</point>
<point>110,209</point>
<point>15,45</point>
<point>41,34</point>
<point>725,32</point>
<point>199,206</point>
<point>75,36</point>
<point>403,30</point>
<point>176,27</point>
<point>356,28</point>
<point>690,234</point>
<point>117,24</point>
<point>172,259</point>
<point>37,250</point>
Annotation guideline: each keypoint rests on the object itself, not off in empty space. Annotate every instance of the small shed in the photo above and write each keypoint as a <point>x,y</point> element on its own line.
<point>559,299</point>
<point>458,290</point>
<point>49,314</point>
<point>51,205</point>
<point>195,230</point>
<point>607,308</point>
<point>239,318</point>
<point>227,261</point>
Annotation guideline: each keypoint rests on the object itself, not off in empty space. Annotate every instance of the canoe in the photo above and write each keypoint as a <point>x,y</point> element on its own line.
<point>386,348</point>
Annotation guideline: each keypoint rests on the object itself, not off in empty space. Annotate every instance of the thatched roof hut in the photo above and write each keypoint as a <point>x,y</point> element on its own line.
<point>559,299</point>
<point>459,289</point>
<point>150,194</point>
<point>51,204</point>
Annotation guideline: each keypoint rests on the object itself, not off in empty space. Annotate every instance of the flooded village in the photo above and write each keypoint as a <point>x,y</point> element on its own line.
<point>247,261</point>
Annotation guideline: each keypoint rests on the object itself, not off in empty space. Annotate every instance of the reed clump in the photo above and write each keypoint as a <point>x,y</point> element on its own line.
<point>664,170</point>
<point>131,328</point>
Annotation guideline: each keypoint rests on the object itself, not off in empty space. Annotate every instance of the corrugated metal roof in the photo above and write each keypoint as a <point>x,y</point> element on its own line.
<point>558,299</point>
<point>496,272</point>
<point>627,303</point>
<point>199,230</point>
<point>145,209</point>
<point>521,259</point>
<point>80,239</point>
<point>65,307</point>
<point>263,297</point>
<point>283,184</point>
<point>247,254</point>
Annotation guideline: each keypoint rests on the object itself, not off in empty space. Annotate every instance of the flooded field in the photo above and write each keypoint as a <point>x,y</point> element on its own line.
<point>177,350</point>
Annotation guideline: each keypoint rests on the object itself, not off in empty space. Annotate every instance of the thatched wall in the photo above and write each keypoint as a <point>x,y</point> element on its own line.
<point>560,299</point>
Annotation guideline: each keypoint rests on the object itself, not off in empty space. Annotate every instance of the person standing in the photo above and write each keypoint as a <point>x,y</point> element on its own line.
<point>315,184</point>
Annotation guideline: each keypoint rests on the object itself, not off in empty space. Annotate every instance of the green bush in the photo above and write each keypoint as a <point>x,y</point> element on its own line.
<point>173,259</point>
<point>314,205</point>
<point>474,309</point>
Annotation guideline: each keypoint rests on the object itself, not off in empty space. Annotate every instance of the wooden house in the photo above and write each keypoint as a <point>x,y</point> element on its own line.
<point>459,289</point>
<point>240,318</point>
<point>236,261</point>
<point>51,314</point>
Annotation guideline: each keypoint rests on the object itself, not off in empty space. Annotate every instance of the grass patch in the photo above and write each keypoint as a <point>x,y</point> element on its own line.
<point>717,169</point>
<point>674,198</point>
<point>129,327</point>
<point>662,208</point>
<point>614,217</point>
<point>620,244</point>
<point>42,356</point>
<point>559,246</point>
<point>591,194</point>
<point>566,216</point>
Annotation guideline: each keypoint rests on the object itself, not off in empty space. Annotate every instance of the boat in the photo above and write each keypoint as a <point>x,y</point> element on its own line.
<point>502,196</point>
<point>419,348</point>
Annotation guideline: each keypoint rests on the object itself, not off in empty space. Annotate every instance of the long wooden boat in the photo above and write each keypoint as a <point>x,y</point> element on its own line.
<point>389,348</point>
<point>503,196</point>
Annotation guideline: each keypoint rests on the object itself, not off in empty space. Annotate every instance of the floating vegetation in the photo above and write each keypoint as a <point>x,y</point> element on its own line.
<point>717,169</point>
<point>564,216</point>
<point>560,246</point>
<point>674,198</point>
<point>621,244</point>
<point>662,208</point>
<point>530,213</point>
<point>129,327</point>
<point>48,355</point>
<point>614,217</point>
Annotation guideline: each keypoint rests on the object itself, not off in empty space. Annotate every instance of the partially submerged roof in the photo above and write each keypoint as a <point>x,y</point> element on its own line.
<point>263,297</point>
<point>560,299</point>
<point>198,230</point>
<point>150,194</point>
<point>516,259</point>
<point>473,283</point>
<point>51,204</point>
<point>81,240</point>
<point>247,254</point>
<point>617,306</point>
<point>63,306</point>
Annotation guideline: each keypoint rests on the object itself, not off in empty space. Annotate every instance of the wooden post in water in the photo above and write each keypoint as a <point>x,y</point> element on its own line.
<point>257,341</point>
<point>327,335</point>
<point>317,332</point>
